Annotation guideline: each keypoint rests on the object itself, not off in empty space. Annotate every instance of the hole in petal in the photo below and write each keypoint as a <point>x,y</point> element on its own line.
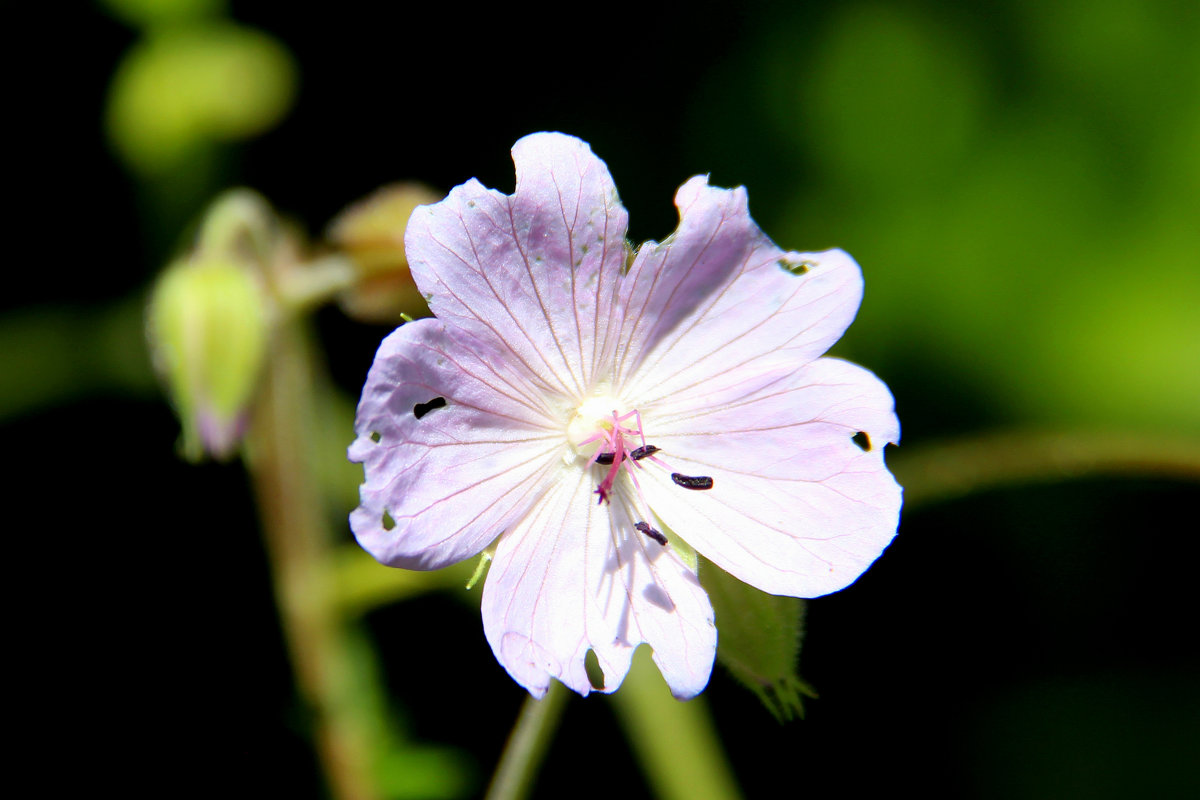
<point>421,409</point>
<point>798,267</point>
<point>862,440</point>
<point>375,436</point>
<point>592,665</point>
<point>388,522</point>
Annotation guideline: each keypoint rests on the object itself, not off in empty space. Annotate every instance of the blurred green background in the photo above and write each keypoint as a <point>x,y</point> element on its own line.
<point>1020,182</point>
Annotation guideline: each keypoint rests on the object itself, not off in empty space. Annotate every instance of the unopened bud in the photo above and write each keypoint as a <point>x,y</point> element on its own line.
<point>371,234</point>
<point>208,326</point>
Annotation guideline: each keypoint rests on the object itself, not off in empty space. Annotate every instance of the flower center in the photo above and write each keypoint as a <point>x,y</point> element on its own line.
<point>607,436</point>
<point>598,426</point>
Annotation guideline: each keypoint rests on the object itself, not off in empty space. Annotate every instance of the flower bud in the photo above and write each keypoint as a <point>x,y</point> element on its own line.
<point>208,324</point>
<point>371,234</point>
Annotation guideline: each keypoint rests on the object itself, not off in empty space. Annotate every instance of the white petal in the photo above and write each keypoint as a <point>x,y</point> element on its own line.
<point>440,488</point>
<point>796,507</point>
<point>575,576</point>
<point>715,296</point>
<point>536,272</point>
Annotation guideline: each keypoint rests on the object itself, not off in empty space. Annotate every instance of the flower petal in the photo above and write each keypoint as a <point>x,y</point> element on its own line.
<point>718,295</point>
<point>575,576</point>
<point>443,481</point>
<point>535,272</point>
<point>797,507</point>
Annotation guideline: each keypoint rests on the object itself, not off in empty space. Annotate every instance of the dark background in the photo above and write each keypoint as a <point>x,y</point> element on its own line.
<point>1012,177</point>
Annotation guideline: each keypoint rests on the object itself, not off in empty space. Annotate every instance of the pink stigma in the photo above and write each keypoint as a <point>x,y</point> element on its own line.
<point>613,447</point>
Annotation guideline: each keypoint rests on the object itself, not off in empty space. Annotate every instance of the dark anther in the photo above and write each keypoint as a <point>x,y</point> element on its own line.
<point>688,482</point>
<point>653,534</point>
<point>636,454</point>
<point>862,440</point>
<point>421,409</point>
<point>644,451</point>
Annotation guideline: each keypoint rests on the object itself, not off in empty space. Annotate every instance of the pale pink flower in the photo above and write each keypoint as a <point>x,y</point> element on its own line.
<point>583,410</point>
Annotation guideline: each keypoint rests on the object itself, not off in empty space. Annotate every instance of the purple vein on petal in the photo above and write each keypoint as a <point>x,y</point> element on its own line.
<point>578,390</point>
<point>689,365</point>
<point>573,271</point>
<point>518,396</point>
<point>523,489</point>
<point>500,337</point>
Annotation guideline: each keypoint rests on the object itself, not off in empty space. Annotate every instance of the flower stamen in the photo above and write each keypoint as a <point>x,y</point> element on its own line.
<point>645,451</point>
<point>637,454</point>
<point>614,435</point>
<point>609,433</point>
<point>699,482</point>
<point>651,532</point>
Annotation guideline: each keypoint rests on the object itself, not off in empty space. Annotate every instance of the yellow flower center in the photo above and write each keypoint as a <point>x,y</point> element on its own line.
<point>592,427</point>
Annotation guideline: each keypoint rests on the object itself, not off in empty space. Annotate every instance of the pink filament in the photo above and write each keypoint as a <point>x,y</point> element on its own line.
<point>614,440</point>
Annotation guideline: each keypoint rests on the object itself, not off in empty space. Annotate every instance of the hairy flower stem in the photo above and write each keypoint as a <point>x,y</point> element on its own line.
<point>945,470</point>
<point>527,745</point>
<point>280,457</point>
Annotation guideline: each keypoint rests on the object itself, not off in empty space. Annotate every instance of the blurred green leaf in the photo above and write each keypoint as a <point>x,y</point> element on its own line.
<point>51,356</point>
<point>146,13</point>
<point>1023,211</point>
<point>182,89</point>
<point>887,96</point>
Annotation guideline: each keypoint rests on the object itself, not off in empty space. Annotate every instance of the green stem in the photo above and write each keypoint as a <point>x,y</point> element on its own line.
<point>527,745</point>
<point>675,742</point>
<point>941,471</point>
<point>315,283</point>
<point>280,457</point>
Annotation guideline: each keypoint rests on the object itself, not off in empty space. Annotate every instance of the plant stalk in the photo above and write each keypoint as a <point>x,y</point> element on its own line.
<point>527,745</point>
<point>280,457</point>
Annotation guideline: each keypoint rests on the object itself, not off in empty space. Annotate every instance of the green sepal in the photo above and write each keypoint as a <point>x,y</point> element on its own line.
<point>760,638</point>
